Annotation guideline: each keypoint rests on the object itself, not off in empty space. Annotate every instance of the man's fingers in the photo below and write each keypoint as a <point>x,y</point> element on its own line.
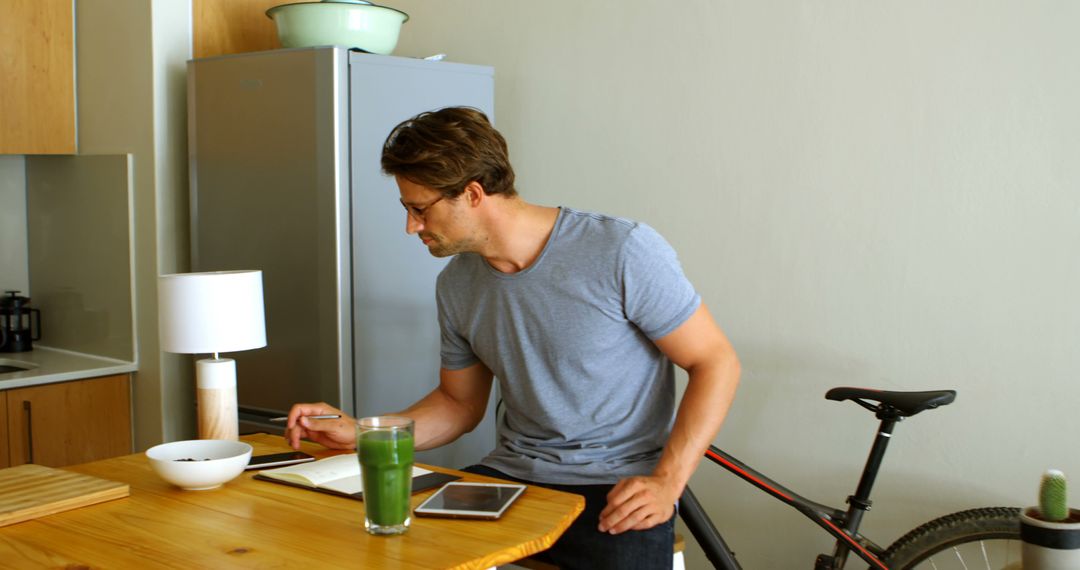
<point>293,435</point>
<point>316,427</point>
<point>300,411</point>
<point>624,510</point>
<point>622,492</point>
<point>636,503</point>
<point>325,432</point>
<point>644,518</point>
<point>651,521</point>
<point>619,522</point>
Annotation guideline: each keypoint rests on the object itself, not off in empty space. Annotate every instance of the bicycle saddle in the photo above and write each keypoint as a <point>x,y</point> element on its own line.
<point>904,403</point>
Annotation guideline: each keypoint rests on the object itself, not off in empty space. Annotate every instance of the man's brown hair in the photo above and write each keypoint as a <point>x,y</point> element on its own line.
<point>447,149</point>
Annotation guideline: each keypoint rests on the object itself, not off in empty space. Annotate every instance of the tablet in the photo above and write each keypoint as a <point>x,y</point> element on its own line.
<point>470,500</point>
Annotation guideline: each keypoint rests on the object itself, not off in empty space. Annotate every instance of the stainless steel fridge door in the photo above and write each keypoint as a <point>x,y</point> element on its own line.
<point>395,328</point>
<point>268,145</point>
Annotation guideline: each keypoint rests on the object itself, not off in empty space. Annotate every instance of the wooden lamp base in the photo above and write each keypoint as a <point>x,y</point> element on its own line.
<point>215,380</point>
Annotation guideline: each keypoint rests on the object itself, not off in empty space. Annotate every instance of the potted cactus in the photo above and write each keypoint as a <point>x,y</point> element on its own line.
<point>1051,531</point>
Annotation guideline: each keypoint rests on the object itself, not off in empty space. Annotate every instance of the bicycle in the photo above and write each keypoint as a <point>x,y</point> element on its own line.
<point>986,537</point>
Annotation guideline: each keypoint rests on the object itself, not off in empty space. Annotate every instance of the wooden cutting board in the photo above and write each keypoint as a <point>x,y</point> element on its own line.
<point>31,491</point>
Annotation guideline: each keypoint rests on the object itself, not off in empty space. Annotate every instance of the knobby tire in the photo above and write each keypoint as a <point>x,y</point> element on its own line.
<point>939,535</point>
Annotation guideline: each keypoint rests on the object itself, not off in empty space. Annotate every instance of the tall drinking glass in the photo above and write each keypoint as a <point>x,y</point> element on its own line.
<point>384,445</point>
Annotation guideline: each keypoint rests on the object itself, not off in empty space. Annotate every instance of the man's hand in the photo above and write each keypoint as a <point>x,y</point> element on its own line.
<point>638,503</point>
<point>334,434</point>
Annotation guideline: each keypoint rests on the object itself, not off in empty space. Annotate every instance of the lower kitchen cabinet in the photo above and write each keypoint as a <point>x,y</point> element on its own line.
<point>3,431</point>
<point>68,422</point>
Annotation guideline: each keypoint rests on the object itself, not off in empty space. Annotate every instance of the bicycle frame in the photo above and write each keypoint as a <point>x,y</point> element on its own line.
<point>842,525</point>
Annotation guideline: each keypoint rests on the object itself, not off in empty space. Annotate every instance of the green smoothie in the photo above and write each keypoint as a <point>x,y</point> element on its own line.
<point>386,460</point>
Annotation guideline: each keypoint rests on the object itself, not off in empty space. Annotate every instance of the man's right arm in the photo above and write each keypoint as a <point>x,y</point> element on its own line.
<point>452,409</point>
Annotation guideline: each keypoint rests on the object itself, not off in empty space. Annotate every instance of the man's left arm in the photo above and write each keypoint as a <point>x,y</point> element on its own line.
<point>701,348</point>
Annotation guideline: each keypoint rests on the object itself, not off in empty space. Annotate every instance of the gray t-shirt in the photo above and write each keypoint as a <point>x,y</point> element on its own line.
<point>589,399</point>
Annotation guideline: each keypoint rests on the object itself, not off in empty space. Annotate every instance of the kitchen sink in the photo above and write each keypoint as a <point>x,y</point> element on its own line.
<point>9,365</point>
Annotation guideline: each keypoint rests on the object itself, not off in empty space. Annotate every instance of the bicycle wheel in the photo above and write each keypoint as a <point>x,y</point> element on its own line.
<point>986,538</point>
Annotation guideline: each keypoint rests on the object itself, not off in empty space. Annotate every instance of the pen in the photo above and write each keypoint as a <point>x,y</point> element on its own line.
<point>327,417</point>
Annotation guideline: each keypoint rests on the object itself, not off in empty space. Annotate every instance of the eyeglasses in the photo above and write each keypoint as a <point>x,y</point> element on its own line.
<point>418,213</point>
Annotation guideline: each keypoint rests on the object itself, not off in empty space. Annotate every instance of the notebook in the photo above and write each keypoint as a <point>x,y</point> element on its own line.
<point>340,475</point>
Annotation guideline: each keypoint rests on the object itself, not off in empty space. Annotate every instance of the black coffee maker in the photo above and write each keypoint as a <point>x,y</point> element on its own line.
<point>19,324</point>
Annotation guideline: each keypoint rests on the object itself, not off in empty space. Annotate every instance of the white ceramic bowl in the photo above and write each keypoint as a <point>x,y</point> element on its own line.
<point>216,461</point>
<point>367,26</point>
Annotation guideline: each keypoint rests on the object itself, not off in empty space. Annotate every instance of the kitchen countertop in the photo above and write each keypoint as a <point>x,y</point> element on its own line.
<point>52,365</point>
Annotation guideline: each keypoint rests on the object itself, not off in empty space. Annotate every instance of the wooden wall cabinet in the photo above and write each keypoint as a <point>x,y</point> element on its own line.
<point>69,422</point>
<point>37,100</point>
<point>232,26</point>
<point>37,70</point>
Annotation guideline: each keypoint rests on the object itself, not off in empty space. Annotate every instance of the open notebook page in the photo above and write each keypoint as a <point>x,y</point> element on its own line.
<point>338,473</point>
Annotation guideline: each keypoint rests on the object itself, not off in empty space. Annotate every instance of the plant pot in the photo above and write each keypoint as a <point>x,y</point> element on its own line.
<point>1050,545</point>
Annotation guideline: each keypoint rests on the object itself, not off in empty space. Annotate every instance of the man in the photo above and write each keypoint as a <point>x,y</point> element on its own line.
<point>580,317</point>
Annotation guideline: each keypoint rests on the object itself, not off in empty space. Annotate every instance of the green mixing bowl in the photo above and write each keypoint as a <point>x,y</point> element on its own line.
<point>354,24</point>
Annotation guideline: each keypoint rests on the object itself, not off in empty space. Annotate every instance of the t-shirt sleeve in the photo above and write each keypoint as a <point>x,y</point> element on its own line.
<point>657,296</point>
<point>456,352</point>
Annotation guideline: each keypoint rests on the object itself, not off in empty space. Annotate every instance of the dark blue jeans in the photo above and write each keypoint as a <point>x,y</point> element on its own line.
<point>584,547</point>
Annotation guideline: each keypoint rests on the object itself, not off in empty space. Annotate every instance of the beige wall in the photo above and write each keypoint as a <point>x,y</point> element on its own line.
<point>13,238</point>
<point>78,226</point>
<point>865,193</point>
<point>131,56</point>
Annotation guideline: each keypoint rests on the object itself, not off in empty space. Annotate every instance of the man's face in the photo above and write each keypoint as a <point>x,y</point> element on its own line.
<point>435,219</point>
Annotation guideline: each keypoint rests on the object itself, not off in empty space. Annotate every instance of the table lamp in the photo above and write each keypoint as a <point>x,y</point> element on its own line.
<point>209,313</point>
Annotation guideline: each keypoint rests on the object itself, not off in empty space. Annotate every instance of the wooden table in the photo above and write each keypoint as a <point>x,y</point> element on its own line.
<point>256,524</point>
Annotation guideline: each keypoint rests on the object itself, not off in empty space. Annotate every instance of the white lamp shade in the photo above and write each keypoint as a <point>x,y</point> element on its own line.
<point>220,311</point>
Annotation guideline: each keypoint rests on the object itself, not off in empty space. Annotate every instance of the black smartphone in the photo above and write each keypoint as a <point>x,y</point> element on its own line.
<point>278,459</point>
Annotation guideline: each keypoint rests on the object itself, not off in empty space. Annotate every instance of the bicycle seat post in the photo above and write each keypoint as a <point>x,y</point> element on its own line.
<point>860,502</point>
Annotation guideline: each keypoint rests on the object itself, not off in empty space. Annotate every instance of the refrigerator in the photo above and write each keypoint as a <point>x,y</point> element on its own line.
<point>284,150</point>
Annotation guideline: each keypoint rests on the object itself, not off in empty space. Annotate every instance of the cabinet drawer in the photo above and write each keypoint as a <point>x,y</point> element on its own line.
<point>69,422</point>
